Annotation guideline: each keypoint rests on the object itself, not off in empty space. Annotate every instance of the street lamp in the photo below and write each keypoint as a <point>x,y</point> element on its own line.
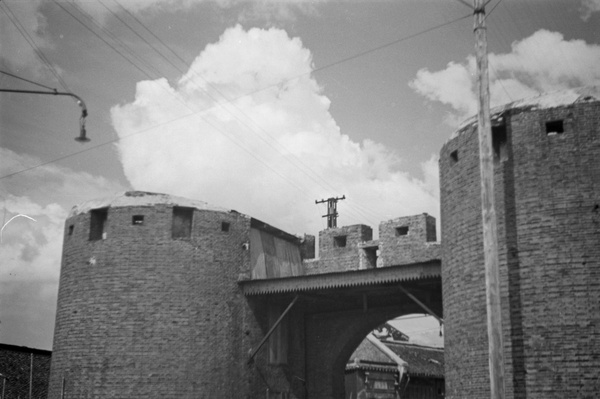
<point>82,137</point>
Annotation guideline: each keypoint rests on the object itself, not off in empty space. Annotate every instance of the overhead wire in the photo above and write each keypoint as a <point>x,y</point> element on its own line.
<point>269,140</point>
<point>145,73</point>
<point>15,21</point>
<point>229,101</point>
<point>242,96</point>
<point>193,111</point>
<point>27,80</point>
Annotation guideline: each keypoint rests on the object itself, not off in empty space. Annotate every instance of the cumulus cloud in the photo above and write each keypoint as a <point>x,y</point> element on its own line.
<point>588,7</point>
<point>31,249</point>
<point>543,62</point>
<point>270,149</point>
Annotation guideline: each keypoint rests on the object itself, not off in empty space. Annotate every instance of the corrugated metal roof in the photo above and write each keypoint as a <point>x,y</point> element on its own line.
<point>354,278</point>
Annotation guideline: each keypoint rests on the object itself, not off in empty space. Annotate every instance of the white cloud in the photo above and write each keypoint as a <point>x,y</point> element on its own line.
<point>269,154</point>
<point>31,250</point>
<point>543,62</point>
<point>588,7</point>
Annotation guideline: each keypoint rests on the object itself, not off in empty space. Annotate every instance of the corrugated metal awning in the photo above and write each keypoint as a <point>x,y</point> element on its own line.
<point>356,278</point>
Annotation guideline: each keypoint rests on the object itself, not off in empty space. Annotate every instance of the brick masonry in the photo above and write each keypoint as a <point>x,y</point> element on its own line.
<point>26,371</point>
<point>338,247</point>
<point>407,240</point>
<point>547,191</point>
<point>141,314</point>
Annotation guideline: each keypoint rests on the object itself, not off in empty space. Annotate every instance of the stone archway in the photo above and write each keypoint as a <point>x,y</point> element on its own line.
<point>332,337</point>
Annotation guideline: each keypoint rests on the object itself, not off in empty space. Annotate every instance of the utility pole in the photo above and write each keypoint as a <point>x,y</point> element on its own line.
<point>490,236</point>
<point>331,210</point>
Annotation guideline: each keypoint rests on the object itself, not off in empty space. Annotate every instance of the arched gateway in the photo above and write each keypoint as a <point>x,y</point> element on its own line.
<point>167,297</point>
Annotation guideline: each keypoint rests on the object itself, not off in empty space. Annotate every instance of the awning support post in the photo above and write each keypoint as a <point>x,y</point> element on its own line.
<point>266,337</point>
<point>421,304</point>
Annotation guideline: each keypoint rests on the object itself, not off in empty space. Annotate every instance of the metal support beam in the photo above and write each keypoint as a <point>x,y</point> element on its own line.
<point>266,337</point>
<point>421,304</point>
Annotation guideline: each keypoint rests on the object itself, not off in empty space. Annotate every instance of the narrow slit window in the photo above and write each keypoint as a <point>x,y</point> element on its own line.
<point>555,127</point>
<point>98,224</point>
<point>182,222</point>
<point>339,241</point>
<point>499,142</point>
<point>137,220</point>
<point>454,156</point>
<point>71,228</point>
<point>401,231</point>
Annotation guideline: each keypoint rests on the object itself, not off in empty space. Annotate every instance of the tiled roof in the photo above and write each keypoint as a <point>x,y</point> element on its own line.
<point>422,361</point>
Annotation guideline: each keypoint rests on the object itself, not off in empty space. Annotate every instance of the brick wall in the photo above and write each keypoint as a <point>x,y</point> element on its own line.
<point>27,371</point>
<point>547,204</point>
<point>141,314</point>
<point>402,241</point>
<point>408,239</point>
<point>338,248</point>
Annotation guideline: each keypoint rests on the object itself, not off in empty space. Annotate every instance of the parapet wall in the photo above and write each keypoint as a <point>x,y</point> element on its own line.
<point>408,239</point>
<point>402,241</point>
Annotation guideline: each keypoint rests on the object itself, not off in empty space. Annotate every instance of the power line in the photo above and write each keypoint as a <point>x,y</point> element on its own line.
<point>403,39</point>
<point>102,39</point>
<point>274,143</point>
<point>27,80</point>
<point>231,100</point>
<point>15,21</point>
<point>253,155</point>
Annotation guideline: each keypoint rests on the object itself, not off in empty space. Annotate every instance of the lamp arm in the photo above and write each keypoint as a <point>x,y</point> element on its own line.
<point>84,113</point>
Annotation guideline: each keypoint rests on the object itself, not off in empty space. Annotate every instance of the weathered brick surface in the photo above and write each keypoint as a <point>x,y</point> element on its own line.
<point>547,204</point>
<point>26,370</point>
<point>408,239</point>
<point>141,314</point>
<point>333,257</point>
<point>402,241</point>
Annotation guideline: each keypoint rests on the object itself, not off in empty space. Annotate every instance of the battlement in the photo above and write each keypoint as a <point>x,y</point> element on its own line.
<point>402,241</point>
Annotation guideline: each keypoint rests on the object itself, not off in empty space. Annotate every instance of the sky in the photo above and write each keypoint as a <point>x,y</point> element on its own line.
<point>258,106</point>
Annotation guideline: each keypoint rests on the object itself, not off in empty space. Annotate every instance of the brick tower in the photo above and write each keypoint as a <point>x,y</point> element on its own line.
<point>148,303</point>
<point>547,182</point>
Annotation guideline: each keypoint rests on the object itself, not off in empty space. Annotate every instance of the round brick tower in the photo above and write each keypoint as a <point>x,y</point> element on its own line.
<point>148,303</point>
<point>547,192</point>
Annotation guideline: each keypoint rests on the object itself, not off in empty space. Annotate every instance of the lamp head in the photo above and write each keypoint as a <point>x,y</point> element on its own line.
<point>82,137</point>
